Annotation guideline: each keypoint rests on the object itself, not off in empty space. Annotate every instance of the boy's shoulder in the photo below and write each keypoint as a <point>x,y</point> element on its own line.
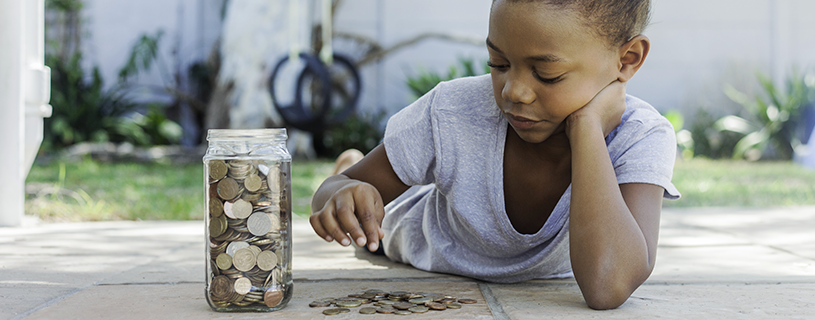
<point>641,111</point>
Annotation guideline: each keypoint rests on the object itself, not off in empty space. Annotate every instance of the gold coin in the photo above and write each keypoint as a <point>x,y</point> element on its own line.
<point>217,226</point>
<point>402,312</point>
<point>418,309</point>
<point>241,209</point>
<point>217,169</point>
<point>244,259</point>
<point>454,306</point>
<point>224,261</point>
<point>367,310</point>
<point>220,288</point>
<point>319,304</point>
<point>272,297</point>
<point>436,305</point>
<point>266,260</point>
<point>243,286</point>
<point>420,300</point>
<point>216,207</point>
<point>344,310</point>
<point>331,312</point>
<point>467,301</point>
<point>252,183</point>
<point>403,305</point>
<point>386,310</point>
<point>348,304</point>
<point>228,189</point>
<point>259,223</point>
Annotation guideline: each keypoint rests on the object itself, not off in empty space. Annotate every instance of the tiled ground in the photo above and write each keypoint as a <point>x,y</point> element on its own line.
<point>712,263</point>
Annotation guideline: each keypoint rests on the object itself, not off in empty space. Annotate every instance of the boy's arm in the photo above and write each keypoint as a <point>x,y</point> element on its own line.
<point>613,229</point>
<point>353,202</point>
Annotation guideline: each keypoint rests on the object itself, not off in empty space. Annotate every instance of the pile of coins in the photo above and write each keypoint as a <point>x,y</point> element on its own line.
<point>248,221</point>
<point>394,302</point>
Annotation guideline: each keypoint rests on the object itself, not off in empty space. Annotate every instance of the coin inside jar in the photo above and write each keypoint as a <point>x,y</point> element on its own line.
<point>252,183</point>
<point>266,260</point>
<point>223,261</point>
<point>243,286</point>
<point>272,297</point>
<point>244,259</point>
<point>216,207</point>
<point>259,223</point>
<point>228,189</point>
<point>241,209</point>
<point>221,288</point>
<point>234,246</point>
<point>217,169</point>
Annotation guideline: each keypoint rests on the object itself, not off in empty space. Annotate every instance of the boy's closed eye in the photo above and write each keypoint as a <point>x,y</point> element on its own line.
<point>505,67</point>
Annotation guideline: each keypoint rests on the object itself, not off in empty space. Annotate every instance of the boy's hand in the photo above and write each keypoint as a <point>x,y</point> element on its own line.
<point>354,209</point>
<point>604,110</point>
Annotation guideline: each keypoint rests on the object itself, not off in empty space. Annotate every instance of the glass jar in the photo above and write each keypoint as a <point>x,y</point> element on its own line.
<point>247,192</point>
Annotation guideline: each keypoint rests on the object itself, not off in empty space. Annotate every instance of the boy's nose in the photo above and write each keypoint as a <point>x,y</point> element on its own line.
<point>516,91</point>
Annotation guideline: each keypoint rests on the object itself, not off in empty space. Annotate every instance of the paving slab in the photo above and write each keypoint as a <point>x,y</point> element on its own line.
<point>712,263</point>
<point>186,301</point>
<point>542,300</point>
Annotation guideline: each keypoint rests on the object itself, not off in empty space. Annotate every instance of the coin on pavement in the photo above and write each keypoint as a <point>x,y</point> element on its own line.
<point>367,310</point>
<point>331,312</point>
<point>467,301</point>
<point>259,223</point>
<point>243,286</point>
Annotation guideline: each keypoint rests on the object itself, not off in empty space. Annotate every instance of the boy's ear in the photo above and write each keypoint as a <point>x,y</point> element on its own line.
<point>632,56</point>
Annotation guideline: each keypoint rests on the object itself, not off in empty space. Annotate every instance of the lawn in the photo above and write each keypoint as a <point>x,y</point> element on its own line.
<point>90,190</point>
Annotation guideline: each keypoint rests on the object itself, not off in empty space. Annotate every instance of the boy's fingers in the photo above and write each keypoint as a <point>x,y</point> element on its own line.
<point>314,219</point>
<point>350,223</point>
<point>343,213</point>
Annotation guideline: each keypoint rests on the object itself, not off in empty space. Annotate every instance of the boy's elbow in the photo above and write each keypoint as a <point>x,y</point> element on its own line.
<point>605,300</point>
<point>608,295</point>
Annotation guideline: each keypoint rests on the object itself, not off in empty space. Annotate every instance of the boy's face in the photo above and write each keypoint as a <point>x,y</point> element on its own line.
<point>546,64</point>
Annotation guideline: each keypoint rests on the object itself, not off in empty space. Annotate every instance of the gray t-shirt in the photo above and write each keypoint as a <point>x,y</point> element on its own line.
<point>449,145</point>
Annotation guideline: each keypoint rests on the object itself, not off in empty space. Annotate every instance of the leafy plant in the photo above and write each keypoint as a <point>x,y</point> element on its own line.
<point>426,80</point>
<point>774,117</point>
<point>357,131</point>
<point>684,138</point>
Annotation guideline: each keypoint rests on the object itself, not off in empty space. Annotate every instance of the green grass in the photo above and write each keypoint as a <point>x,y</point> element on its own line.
<point>88,190</point>
<point>743,184</point>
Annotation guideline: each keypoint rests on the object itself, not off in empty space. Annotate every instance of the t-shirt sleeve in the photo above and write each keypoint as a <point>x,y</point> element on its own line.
<point>410,143</point>
<point>644,151</point>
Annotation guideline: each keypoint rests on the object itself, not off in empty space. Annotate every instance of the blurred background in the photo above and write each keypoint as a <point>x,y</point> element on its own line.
<point>141,82</point>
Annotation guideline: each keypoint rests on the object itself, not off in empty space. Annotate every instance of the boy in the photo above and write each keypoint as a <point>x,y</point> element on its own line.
<point>552,172</point>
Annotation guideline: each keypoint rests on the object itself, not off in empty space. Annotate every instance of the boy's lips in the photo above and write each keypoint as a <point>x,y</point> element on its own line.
<point>519,122</point>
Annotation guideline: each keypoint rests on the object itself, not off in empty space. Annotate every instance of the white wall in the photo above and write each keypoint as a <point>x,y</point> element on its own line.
<point>697,44</point>
<point>113,26</point>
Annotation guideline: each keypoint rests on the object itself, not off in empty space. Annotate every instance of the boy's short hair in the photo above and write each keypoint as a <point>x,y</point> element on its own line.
<point>615,20</point>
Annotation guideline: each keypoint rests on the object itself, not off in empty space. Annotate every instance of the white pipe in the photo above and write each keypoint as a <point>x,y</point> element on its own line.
<point>11,106</point>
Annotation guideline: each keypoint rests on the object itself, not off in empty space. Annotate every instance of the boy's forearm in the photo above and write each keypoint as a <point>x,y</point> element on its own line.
<point>609,253</point>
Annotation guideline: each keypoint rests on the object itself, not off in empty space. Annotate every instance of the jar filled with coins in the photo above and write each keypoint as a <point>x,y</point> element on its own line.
<point>247,189</point>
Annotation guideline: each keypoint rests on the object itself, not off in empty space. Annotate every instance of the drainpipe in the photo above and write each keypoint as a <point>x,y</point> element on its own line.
<point>25,87</point>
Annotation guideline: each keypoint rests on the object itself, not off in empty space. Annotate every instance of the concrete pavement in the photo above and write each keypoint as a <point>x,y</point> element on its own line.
<point>712,263</point>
